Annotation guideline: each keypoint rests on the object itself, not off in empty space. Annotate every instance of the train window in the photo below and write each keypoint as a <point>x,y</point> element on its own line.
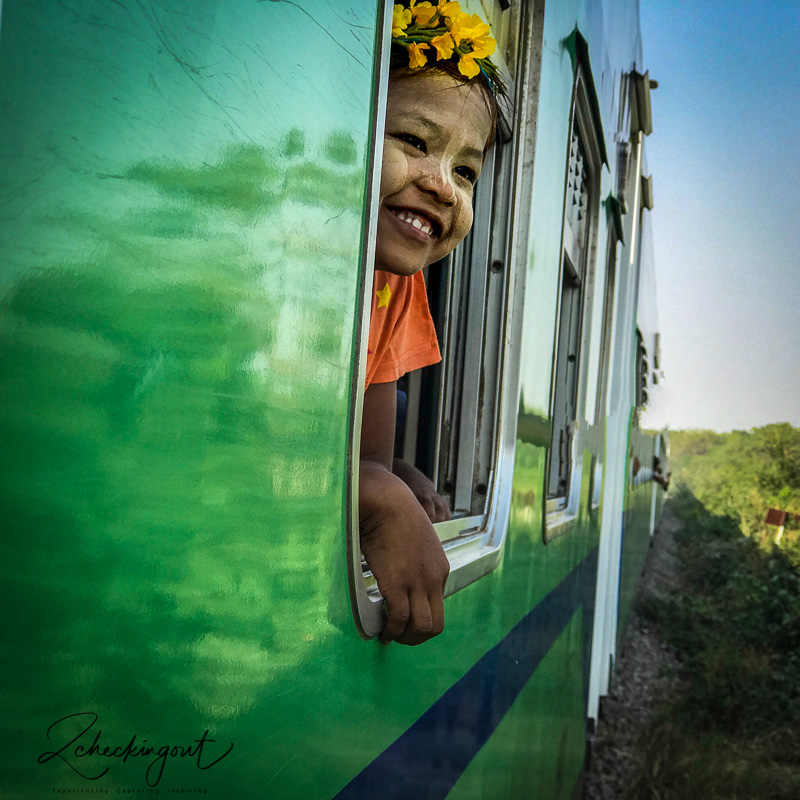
<point>585,158</point>
<point>451,409</point>
<point>453,416</point>
<point>448,416</point>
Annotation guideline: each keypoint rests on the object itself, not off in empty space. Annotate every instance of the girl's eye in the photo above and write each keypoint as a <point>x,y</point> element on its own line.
<point>412,140</point>
<point>468,174</point>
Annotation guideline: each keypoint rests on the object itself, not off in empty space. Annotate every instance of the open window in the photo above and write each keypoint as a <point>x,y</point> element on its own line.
<point>454,417</point>
<point>585,159</point>
<point>451,417</point>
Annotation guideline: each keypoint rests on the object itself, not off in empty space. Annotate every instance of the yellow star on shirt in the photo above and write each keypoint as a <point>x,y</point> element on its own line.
<point>384,296</point>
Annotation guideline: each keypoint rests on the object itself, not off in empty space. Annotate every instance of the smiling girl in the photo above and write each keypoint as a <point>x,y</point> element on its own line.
<point>440,122</point>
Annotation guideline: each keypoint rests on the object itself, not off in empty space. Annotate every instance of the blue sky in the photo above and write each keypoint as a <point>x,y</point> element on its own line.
<point>724,158</point>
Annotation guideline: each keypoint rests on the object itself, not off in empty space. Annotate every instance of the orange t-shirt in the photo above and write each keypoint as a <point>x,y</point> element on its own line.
<point>401,333</point>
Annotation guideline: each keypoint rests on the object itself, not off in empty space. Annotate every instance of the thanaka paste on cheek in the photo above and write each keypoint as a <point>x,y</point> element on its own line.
<point>424,182</point>
<point>394,170</point>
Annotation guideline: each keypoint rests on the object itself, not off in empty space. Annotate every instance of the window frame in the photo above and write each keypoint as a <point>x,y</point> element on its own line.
<point>472,543</point>
<point>561,510</point>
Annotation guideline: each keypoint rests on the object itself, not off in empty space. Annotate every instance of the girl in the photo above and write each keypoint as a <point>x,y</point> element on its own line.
<point>440,122</point>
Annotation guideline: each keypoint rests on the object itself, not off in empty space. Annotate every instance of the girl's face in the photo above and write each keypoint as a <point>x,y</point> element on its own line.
<point>436,132</point>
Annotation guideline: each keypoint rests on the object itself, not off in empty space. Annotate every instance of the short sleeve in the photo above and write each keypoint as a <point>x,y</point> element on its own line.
<point>402,336</point>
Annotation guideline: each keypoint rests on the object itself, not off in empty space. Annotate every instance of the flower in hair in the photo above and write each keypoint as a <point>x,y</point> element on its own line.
<point>475,32</point>
<point>482,47</point>
<point>416,58</point>
<point>464,26</point>
<point>423,13</point>
<point>444,45</point>
<point>449,9</point>
<point>401,19</point>
<point>449,32</point>
<point>467,67</point>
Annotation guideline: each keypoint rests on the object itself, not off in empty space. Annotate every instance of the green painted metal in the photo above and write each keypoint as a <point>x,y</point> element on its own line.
<point>636,533</point>
<point>182,196</point>
<point>635,544</point>
<point>549,714</point>
<point>183,191</point>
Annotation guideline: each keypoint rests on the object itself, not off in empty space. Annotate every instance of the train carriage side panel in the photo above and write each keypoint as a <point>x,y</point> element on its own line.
<point>614,51</point>
<point>183,196</point>
<point>644,497</point>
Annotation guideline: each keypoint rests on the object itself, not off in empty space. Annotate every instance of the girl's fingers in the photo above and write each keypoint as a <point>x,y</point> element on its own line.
<point>437,614</point>
<point>420,626</point>
<point>398,617</point>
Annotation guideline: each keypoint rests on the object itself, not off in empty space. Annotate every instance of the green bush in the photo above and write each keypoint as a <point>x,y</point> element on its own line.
<point>734,732</point>
<point>736,626</point>
<point>743,474</point>
<point>681,765</point>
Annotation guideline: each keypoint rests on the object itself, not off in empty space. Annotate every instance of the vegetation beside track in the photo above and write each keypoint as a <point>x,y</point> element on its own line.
<point>734,730</point>
<point>743,474</point>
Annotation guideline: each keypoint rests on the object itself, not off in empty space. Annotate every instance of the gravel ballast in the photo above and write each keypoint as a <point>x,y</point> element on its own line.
<point>644,677</point>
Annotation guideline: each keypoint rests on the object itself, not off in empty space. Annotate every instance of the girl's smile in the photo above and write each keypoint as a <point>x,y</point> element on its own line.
<point>436,133</point>
<point>418,221</point>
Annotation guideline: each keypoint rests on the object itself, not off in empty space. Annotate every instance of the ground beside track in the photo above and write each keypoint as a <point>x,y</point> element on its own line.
<point>644,678</point>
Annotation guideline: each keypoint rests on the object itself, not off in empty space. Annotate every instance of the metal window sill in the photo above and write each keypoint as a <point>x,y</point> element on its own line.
<point>557,523</point>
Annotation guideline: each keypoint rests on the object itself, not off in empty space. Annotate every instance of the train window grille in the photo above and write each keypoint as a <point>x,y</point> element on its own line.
<point>568,345</point>
<point>642,371</point>
<point>450,424</point>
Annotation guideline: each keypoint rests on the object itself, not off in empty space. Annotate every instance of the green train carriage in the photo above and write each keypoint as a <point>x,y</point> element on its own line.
<point>186,229</point>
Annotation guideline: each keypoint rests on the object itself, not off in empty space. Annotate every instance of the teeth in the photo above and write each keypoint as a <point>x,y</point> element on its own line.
<point>413,219</point>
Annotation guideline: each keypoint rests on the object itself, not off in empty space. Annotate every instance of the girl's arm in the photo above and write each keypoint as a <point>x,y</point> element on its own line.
<point>424,490</point>
<point>397,537</point>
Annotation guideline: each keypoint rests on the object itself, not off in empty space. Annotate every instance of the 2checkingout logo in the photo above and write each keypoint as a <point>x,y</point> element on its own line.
<point>71,735</point>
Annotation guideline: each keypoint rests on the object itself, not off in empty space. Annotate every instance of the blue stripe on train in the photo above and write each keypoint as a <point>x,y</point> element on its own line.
<point>427,760</point>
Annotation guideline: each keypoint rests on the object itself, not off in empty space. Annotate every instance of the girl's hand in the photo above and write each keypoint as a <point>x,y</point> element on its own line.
<point>424,490</point>
<point>404,554</point>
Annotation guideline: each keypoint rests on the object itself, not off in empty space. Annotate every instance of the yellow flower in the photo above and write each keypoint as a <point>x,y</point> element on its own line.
<point>457,24</point>
<point>468,67</point>
<point>401,19</point>
<point>473,27</point>
<point>422,13</point>
<point>449,9</point>
<point>467,28</point>
<point>416,58</point>
<point>444,46</point>
<point>483,47</point>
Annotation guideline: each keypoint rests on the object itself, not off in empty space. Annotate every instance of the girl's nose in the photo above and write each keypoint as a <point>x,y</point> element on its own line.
<point>436,180</point>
